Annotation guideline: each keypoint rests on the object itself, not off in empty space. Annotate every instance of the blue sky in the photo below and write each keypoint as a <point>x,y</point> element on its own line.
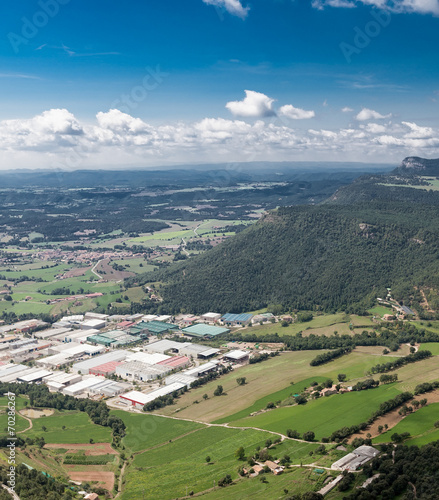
<point>158,82</point>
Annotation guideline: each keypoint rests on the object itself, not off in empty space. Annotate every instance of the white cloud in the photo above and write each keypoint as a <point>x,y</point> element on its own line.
<point>417,132</point>
<point>234,7</point>
<point>57,139</point>
<point>370,114</point>
<point>295,113</point>
<point>397,6</point>
<point>254,105</point>
<point>346,109</point>
<point>374,128</point>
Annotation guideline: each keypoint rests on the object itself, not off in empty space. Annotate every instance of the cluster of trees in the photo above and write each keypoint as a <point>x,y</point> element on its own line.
<point>426,387</point>
<point>326,357</point>
<point>257,358</point>
<point>384,408</point>
<point>390,405</point>
<point>408,470</point>
<point>33,485</point>
<point>210,376</point>
<point>397,363</point>
<point>388,379</point>
<point>369,383</point>
<point>163,401</point>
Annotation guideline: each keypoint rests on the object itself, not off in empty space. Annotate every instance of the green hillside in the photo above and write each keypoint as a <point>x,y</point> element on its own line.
<point>329,256</point>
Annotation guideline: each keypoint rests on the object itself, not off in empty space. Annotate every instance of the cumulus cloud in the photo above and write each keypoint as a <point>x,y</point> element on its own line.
<point>346,109</point>
<point>234,7</point>
<point>397,6</point>
<point>55,138</point>
<point>295,113</point>
<point>369,114</point>
<point>254,105</point>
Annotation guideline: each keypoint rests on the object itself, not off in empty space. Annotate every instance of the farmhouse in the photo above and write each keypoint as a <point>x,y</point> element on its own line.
<point>275,468</point>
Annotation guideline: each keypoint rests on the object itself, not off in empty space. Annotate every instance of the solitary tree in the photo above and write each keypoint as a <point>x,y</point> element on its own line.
<point>208,459</point>
<point>308,436</point>
<point>341,377</point>
<point>218,391</point>
<point>240,453</point>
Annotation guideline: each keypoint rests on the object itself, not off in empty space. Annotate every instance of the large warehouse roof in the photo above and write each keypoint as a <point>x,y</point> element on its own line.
<point>241,318</point>
<point>84,366</point>
<point>204,330</point>
<point>141,398</point>
<point>165,345</point>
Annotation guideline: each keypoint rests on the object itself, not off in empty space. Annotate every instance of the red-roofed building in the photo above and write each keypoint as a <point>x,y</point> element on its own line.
<point>175,362</point>
<point>105,369</point>
<point>125,324</point>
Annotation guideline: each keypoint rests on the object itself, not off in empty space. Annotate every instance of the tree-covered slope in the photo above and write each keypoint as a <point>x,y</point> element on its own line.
<point>328,256</point>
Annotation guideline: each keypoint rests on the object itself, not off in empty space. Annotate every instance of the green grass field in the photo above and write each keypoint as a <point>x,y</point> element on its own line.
<point>381,310</point>
<point>79,429</point>
<point>146,431</point>
<point>324,415</point>
<point>166,471</point>
<point>20,423</point>
<point>264,379</point>
<point>136,265</point>
<point>295,481</point>
<point>433,347</point>
<point>419,424</point>
<point>260,404</point>
<point>324,320</point>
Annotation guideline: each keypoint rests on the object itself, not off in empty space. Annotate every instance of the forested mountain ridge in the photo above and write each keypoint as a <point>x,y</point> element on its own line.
<point>413,165</point>
<point>380,231</point>
<point>408,183</point>
<point>329,257</point>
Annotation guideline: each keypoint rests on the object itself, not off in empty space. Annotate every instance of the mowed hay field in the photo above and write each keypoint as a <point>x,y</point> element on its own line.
<point>264,379</point>
<point>78,429</point>
<point>419,424</point>
<point>166,471</point>
<point>325,415</point>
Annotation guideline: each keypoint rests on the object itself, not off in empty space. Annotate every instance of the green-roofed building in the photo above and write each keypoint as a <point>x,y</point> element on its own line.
<point>152,327</point>
<point>100,339</point>
<point>202,330</point>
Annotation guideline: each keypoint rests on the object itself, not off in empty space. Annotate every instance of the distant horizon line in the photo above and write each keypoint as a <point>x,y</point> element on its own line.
<point>199,166</point>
